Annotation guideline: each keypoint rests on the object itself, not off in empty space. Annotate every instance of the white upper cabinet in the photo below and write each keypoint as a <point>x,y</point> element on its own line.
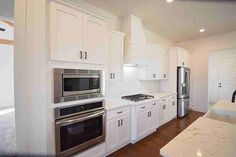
<point>158,65</point>
<point>163,62</point>
<point>115,43</point>
<point>75,36</point>
<point>94,34</point>
<point>66,33</point>
<point>183,57</point>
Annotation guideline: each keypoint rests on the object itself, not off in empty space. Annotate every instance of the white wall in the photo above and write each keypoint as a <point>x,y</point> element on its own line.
<point>199,50</point>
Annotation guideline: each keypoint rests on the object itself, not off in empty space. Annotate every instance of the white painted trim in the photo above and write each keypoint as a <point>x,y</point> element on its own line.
<point>30,63</point>
<point>74,6</point>
<point>198,110</point>
<point>116,32</point>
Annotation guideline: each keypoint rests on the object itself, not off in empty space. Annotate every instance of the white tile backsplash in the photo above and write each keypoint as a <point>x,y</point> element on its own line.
<point>130,84</point>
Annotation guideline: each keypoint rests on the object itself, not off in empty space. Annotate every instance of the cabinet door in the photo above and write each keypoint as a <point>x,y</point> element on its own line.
<point>142,124</point>
<point>173,109</point>
<point>183,57</point>
<point>153,118</point>
<point>116,55</point>
<point>66,33</point>
<point>124,133</point>
<point>161,118</point>
<point>94,33</point>
<point>164,65</point>
<point>112,140</point>
<point>166,112</point>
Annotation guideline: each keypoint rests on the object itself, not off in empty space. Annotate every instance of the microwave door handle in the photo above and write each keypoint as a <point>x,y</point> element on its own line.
<point>66,122</point>
<point>80,76</point>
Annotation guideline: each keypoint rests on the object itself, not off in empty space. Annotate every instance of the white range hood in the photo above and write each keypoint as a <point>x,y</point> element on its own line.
<point>136,51</point>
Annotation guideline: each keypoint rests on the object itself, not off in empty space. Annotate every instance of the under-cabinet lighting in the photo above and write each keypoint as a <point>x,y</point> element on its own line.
<point>3,112</point>
<point>169,1</point>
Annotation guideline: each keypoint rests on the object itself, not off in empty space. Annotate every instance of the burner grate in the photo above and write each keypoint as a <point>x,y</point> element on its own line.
<point>137,97</point>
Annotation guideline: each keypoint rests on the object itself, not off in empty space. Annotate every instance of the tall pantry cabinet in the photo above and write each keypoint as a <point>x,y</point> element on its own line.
<point>177,57</point>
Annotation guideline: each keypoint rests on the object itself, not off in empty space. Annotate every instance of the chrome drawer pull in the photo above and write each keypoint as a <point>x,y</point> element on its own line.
<point>143,107</point>
<point>120,112</point>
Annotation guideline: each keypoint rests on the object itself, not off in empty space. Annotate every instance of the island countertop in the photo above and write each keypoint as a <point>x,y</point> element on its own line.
<point>203,138</point>
<point>225,105</point>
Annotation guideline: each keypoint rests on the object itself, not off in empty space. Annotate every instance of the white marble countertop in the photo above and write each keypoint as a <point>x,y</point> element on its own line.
<point>225,105</point>
<point>203,138</point>
<point>115,103</point>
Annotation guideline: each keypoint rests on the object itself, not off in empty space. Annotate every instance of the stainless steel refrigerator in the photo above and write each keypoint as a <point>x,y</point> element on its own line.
<point>183,91</point>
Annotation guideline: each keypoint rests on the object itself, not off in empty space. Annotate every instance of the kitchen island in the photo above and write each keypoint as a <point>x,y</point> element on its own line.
<point>212,135</point>
<point>203,138</point>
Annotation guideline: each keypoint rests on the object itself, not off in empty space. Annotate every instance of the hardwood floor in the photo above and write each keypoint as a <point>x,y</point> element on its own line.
<point>151,145</point>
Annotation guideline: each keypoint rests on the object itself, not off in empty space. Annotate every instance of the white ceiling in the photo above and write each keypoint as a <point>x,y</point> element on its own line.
<point>178,21</point>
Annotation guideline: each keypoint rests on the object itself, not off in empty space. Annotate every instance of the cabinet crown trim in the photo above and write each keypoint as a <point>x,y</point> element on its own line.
<point>73,5</point>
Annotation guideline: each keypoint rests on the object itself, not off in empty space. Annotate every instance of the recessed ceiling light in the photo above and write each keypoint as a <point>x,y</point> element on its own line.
<point>202,30</point>
<point>169,1</point>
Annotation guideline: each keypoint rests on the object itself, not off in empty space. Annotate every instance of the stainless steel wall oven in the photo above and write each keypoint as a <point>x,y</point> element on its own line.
<point>79,127</point>
<point>75,84</point>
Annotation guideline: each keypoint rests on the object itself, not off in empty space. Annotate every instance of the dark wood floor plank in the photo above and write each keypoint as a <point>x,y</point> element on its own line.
<point>151,145</point>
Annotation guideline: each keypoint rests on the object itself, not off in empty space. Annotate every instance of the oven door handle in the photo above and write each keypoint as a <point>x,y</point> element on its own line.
<point>79,118</point>
<point>81,76</point>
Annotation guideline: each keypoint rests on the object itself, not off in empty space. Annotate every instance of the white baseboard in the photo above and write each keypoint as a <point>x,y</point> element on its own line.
<point>198,110</point>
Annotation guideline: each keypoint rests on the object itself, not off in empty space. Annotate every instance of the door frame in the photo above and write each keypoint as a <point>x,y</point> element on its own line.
<point>211,54</point>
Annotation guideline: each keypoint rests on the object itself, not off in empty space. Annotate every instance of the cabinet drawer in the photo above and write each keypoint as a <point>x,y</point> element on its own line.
<point>172,98</point>
<point>118,112</point>
<point>143,107</point>
<point>163,100</point>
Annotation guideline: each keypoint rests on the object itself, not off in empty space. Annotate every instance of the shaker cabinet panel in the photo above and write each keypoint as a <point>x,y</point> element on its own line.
<point>116,53</point>
<point>76,36</point>
<point>112,140</point>
<point>66,33</point>
<point>94,44</point>
<point>183,57</point>
<point>142,125</point>
<point>118,129</point>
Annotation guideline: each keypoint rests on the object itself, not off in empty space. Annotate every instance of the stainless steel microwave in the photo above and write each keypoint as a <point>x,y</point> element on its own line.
<point>76,84</point>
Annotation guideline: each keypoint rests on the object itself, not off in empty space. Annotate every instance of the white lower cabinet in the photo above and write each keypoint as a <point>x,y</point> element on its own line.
<point>168,109</point>
<point>142,126</point>
<point>144,121</point>
<point>118,129</point>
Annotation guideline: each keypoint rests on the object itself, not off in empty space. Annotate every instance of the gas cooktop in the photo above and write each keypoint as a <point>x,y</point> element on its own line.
<point>137,97</point>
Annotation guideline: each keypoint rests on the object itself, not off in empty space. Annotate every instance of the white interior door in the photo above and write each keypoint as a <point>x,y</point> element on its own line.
<point>222,75</point>
<point>227,77</point>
